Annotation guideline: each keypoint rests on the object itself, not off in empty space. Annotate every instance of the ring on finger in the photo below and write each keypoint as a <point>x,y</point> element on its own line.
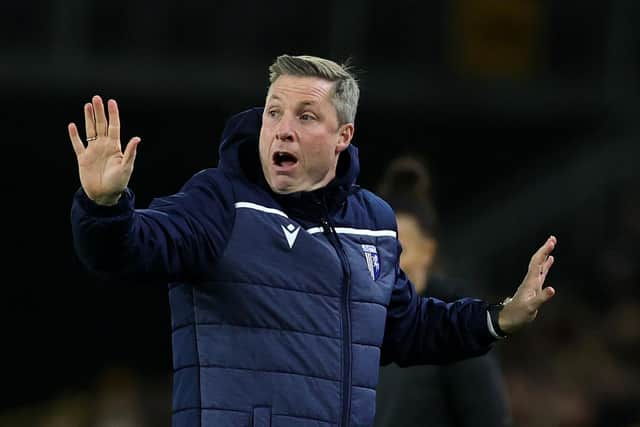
<point>92,138</point>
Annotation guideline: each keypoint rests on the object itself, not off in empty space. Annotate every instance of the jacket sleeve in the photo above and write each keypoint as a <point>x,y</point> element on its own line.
<point>426,330</point>
<point>173,239</point>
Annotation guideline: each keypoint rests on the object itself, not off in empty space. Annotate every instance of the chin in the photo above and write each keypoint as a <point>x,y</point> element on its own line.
<point>281,190</point>
<point>280,186</point>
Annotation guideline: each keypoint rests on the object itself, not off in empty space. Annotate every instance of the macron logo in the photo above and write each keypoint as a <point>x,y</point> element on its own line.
<point>291,233</point>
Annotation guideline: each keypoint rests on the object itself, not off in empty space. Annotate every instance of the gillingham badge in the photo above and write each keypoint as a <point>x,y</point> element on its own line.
<point>373,261</point>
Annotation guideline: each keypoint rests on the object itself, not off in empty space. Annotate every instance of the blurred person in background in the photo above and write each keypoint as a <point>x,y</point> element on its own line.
<point>285,287</point>
<point>468,393</point>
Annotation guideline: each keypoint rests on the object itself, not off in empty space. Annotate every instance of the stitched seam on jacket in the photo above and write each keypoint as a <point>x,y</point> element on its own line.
<point>230,283</point>
<point>268,371</point>
<point>364,387</point>
<point>369,302</point>
<point>212,408</point>
<point>365,344</point>
<point>304,418</point>
<point>234,325</point>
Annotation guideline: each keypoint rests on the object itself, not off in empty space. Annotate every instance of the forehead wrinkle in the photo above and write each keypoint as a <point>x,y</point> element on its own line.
<point>315,92</point>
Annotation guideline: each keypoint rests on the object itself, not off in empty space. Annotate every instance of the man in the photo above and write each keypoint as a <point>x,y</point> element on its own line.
<point>285,289</point>
<point>468,393</point>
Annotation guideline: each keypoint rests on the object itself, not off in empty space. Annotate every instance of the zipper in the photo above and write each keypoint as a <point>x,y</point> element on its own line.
<point>331,234</point>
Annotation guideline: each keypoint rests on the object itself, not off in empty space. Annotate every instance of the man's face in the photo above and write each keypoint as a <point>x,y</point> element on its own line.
<point>300,138</point>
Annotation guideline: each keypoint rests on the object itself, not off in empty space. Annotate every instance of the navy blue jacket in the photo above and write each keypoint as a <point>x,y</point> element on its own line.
<point>283,307</point>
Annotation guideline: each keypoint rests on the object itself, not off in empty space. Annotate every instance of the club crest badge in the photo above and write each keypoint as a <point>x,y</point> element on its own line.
<point>373,261</point>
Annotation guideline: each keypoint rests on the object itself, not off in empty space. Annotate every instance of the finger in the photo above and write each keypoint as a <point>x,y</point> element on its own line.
<point>546,266</point>
<point>542,254</point>
<point>544,296</point>
<point>114,120</point>
<point>89,121</point>
<point>101,119</point>
<point>131,151</point>
<point>76,142</point>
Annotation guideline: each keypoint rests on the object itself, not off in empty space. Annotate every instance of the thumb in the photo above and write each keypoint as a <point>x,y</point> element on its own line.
<point>131,150</point>
<point>546,294</point>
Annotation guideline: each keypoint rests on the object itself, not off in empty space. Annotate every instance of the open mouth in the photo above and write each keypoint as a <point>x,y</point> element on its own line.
<point>284,159</point>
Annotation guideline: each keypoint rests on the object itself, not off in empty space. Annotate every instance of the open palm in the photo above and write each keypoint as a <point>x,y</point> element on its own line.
<point>104,168</point>
<point>522,308</point>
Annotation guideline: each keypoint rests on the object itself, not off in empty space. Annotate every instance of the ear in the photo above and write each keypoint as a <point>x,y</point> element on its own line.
<point>345,135</point>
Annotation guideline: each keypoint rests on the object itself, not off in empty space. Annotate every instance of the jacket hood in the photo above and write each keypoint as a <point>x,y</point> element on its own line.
<point>239,154</point>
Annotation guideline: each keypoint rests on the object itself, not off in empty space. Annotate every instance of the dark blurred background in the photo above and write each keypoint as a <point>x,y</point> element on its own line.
<point>525,112</point>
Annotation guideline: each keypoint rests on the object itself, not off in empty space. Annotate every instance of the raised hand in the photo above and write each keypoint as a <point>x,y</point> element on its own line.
<point>104,169</point>
<point>522,308</point>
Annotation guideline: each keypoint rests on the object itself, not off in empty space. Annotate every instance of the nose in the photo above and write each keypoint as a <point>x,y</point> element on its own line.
<point>284,132</point>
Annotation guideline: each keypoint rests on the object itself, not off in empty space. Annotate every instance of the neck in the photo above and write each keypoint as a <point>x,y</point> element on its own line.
<point>331,174</point>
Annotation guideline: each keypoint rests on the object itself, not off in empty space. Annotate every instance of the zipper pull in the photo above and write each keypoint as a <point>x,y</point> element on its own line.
<point>325,225</point>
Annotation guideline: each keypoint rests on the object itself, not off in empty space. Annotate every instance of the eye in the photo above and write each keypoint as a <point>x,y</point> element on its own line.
<point>305,117</point>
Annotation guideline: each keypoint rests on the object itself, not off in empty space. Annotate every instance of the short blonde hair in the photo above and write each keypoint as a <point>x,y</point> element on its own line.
<point>345,89</point>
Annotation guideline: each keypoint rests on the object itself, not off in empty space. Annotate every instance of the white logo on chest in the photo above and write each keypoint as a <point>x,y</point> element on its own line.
<point>291,233</point>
